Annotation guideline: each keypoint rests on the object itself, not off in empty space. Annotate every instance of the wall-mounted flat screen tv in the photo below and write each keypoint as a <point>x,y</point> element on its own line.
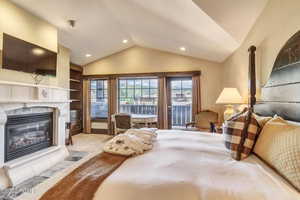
<point>23,56</point>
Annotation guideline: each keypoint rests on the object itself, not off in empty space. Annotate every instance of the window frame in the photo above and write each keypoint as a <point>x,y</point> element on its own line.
<point>141,88</point>
<point>100,119</point>
<point>181,89</point>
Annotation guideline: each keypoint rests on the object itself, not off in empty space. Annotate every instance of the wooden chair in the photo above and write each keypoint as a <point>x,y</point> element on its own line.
<point>204,121</point>
<point>122,122</point>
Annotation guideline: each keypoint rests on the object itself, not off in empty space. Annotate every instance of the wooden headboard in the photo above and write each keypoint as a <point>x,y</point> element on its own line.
<point>281,94</point>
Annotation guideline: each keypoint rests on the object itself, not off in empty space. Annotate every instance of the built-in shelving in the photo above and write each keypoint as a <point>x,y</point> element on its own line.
<point>76,106</point>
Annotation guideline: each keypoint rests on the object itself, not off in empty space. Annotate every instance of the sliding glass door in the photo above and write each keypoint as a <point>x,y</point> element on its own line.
<point>180,101</point>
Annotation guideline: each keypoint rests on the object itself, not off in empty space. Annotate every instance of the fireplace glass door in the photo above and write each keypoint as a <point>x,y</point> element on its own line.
<point>25,134</point>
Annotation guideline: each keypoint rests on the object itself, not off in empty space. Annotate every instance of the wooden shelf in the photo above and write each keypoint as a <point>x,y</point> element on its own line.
<point>75,109</point>
<point>75,100</point>
<point>74,90</point>
<point>75,80</point>
<point>77,121</point>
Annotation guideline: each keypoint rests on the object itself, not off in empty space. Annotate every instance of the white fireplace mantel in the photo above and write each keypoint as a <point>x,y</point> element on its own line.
<point>15,96</point>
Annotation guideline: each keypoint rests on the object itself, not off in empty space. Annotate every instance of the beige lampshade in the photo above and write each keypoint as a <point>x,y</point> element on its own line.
<point>229,96</point>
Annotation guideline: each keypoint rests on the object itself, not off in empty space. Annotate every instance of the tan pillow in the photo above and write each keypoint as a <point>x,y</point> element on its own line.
<point>261,120</point>
<point>279,145</point>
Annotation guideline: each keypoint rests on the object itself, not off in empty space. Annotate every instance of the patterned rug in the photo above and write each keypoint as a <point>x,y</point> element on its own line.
<point>26,186</point>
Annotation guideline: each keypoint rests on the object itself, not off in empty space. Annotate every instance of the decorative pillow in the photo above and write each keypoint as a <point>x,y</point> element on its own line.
<point>261,120</point>
<point>279,145</point>
<point>126,144</point>
<point>240,134</point>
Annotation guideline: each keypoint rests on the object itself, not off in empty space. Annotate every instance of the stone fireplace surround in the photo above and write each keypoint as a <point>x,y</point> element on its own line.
<point>19,98</point>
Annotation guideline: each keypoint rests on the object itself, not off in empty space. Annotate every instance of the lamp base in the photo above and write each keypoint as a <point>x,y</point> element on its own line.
<point>229,111</point>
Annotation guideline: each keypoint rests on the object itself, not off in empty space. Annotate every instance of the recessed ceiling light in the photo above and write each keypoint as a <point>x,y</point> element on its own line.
<point>182,49</point>
<point>125,41</point>
<point>88,55</point>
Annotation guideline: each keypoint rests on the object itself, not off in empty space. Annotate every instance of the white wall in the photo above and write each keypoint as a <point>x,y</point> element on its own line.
<point>20,23</point>
<point>277,23</point>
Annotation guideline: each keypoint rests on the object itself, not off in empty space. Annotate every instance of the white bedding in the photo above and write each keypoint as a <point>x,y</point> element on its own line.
<point>193,166</point>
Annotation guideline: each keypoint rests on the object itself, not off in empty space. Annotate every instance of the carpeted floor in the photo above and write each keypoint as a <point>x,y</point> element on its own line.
<point>84,144</point>
<point>88,142</point>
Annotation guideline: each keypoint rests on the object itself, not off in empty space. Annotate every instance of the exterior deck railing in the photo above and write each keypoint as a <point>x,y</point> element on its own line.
<point>181,114</point>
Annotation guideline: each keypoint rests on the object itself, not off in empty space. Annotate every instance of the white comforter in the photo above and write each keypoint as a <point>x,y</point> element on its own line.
<point>193,166</point>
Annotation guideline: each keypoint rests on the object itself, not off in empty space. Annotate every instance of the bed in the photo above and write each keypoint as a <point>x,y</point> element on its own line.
<point>193,166</point>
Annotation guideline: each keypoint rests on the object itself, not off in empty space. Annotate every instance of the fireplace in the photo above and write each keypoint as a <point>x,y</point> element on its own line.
<point>28,133</point>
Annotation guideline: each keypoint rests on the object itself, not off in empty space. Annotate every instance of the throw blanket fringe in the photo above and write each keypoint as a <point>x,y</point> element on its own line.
<point>83,182</point>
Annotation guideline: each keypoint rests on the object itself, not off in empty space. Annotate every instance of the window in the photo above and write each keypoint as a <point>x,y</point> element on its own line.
<point>138,96</point>
<point>99,100</point>
<point>181,91</point>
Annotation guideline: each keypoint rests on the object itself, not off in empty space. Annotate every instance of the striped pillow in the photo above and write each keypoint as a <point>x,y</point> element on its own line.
<point>240,134</point>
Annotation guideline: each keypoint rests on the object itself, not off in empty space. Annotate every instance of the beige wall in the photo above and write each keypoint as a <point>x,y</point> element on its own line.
<point>142,60</point>
<point>63,68</point>
<point>278,22</point>
<point>21,24</point>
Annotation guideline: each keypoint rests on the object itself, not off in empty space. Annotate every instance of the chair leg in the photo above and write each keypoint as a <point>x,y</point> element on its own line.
<point>70,139</point>
<point>212,127</point>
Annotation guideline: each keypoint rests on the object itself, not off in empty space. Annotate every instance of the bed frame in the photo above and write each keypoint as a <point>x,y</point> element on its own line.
<point>281,94</point>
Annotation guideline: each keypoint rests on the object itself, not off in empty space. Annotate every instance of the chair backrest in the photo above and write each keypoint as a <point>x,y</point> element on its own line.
<point>122,121</point>
<point>205,117</point>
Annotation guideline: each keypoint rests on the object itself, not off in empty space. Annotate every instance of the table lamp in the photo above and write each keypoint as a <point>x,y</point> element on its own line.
<point>229,96</point>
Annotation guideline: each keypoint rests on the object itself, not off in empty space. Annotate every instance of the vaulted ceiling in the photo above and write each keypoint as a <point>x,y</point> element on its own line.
<point>208,29</point>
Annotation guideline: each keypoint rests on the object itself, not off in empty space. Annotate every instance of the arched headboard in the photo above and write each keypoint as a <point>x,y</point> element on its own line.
<point>281,94</point>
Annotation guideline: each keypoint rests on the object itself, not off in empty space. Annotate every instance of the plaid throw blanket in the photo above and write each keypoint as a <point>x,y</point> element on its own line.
<point>240,134</point>
<point>83,182</point>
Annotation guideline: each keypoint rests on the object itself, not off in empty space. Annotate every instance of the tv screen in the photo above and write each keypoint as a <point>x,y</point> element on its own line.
<point>23,56</point>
